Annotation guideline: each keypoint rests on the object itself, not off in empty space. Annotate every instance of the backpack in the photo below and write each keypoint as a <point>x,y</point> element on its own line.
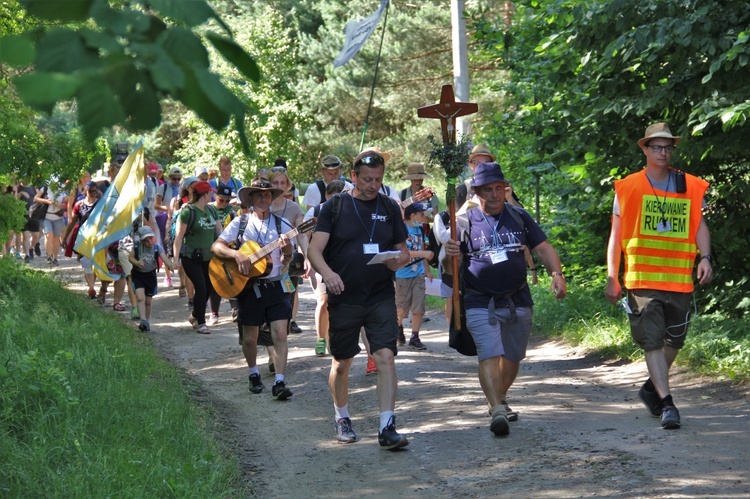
<point>191,218</point>
<point>336,201</point>
<point>463,225</point>
<point>321,187</point>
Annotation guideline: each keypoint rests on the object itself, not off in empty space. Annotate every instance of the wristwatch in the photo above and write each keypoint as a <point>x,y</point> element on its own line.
<point>708,257</point>
<point>554,274</point>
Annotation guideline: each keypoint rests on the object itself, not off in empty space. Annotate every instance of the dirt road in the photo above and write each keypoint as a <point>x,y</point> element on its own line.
<point>582,431</point>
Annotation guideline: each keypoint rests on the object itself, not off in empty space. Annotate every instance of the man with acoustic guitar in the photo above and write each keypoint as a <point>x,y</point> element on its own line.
<point>351,230</point>
<point>263,250</point>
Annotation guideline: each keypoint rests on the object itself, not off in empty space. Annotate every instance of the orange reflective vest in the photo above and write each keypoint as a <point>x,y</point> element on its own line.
<point>657,259</point>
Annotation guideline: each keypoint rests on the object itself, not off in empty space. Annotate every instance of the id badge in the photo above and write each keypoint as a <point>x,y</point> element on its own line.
<point>371,249</point>
<point>499,256</point>
<point>414,267</point>
<point>664,226</point>
<point>287,284</point>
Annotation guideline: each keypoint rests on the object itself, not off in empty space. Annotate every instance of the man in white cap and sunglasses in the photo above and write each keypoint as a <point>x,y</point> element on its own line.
<point>657,223</point>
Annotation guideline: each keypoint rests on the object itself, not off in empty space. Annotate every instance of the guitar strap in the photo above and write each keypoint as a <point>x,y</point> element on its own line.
<point>241,234</point>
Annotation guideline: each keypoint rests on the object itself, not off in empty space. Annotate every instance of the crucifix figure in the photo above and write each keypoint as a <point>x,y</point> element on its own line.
<point>447,110</point>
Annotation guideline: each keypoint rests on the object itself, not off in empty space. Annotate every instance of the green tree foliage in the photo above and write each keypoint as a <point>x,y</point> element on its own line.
<point>303,108</point>
<point>277,118</point>
<point>586,78</point>
<point>118,61</point>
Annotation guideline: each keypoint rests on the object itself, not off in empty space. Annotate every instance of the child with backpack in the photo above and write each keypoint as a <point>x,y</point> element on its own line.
<point>144,258</point>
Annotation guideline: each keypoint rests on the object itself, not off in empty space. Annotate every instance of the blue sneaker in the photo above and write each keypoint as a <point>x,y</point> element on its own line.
<point>389,438</point>
<point>344,431</point>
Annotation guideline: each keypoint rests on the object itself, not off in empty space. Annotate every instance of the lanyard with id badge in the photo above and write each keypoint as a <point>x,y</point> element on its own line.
<point>497,255</point>
<point>369,248</point>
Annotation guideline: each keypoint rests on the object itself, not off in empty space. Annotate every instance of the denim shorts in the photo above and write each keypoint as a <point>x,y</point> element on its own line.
<point>54,227</point>
<point>507,338</point>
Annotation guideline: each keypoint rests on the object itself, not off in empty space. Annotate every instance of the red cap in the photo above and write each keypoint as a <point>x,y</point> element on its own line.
<point>202,187</point>
<point>153,168</point>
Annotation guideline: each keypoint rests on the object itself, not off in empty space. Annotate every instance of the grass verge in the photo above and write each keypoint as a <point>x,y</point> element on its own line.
<point>716,345</point>
<point>88,409</point>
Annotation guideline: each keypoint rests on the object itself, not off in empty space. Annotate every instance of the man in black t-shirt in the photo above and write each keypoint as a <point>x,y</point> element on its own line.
<point>351,230</point>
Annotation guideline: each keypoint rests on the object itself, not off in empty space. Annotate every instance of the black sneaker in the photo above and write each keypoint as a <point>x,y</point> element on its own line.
<point>401,338</point>
<point>670,418</point>
<point>37,249</point>
<point>144,326</point>
<point>416,343</point>
<point>280,391</point>
<point>344,431</point>
<point>294,328</point>
<point>31,253</point>
<point>651,400</point>
<point>389,438</point>
<point>256,385</point>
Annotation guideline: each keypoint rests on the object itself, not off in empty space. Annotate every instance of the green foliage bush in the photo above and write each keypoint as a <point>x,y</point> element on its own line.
<point>12,213</point>
<point>87,409</point>
<point>716,344</point>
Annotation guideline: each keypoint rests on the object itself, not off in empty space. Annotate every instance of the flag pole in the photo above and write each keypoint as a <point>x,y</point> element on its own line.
<point>374,79</point>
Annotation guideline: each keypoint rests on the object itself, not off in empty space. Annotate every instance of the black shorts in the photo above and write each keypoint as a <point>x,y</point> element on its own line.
<point>273,304</point>
<point>144,280</point>
<point>345,321</point>
<point>31,225</point>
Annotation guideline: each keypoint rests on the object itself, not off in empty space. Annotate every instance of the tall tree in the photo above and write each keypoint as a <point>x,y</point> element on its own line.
<point>586,78</point>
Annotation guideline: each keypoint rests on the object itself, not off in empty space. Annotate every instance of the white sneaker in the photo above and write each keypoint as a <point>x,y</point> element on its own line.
<point>213,320</point>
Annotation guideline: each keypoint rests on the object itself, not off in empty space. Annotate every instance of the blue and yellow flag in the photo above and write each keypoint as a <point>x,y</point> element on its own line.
<point>114,214</point>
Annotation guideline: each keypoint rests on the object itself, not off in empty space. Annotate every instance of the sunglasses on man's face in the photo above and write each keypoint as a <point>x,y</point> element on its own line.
<point>175,179</point>
<point>371,161</point>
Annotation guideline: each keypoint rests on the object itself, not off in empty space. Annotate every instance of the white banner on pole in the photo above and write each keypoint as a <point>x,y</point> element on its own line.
<point>357,33</point>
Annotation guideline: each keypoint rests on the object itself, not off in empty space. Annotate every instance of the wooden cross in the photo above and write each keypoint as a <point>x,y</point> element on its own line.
<point>447,110</point>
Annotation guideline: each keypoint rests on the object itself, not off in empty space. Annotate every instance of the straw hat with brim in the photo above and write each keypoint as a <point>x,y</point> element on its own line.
<point>481,150</point>
<point>486,173</point>
<point>415,171</point>
<point>658,131</point>
<point>257,185</point>
<point>329,161</point>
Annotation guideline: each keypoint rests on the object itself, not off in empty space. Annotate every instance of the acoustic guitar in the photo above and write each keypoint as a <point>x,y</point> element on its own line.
<point>418,197</point>
<point>225,274</point>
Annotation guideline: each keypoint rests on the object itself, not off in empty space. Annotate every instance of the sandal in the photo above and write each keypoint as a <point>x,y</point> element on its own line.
<point>118,307</point>
<point>193,321</point>
<point>510,413</point>
<point>203,329</point>
<point>182,292</point>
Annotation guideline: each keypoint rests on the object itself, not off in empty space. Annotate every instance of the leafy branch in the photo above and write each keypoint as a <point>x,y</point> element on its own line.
<point>452,158</point>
